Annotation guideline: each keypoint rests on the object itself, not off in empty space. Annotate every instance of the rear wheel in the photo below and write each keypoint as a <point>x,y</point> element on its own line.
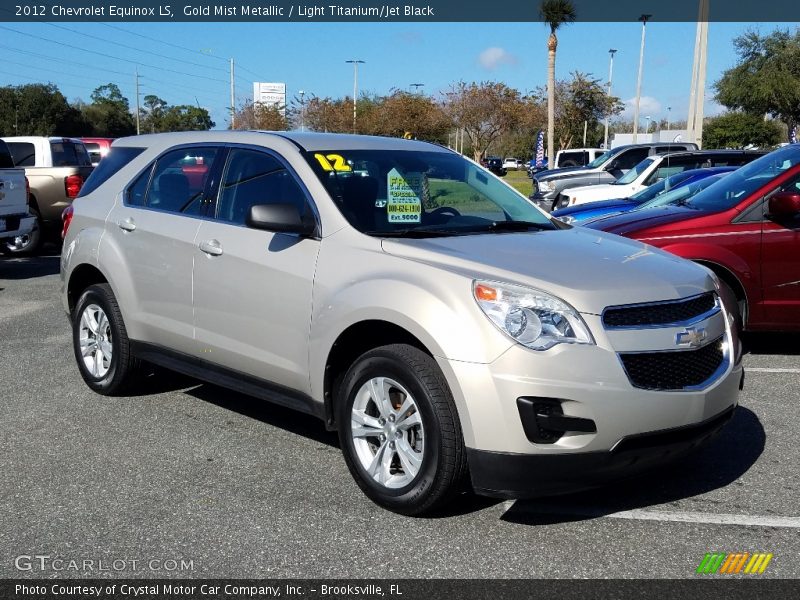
<point>399,430</point>
<point>100,342</point>
<point>29,243</point>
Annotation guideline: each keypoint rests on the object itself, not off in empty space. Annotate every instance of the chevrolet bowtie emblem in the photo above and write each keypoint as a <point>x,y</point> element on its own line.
<point>691,337</point>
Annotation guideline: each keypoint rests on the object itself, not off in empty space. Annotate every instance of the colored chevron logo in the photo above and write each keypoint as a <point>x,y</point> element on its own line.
<point>735,563</point>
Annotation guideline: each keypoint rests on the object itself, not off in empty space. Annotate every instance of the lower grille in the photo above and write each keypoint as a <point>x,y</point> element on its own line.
<point>673,370</point>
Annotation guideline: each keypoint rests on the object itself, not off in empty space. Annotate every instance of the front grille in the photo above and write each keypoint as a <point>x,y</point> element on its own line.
<point>673,370</point>
<point>661,313</point>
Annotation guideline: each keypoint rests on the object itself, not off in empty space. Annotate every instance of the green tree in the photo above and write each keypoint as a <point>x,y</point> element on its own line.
<point>152,113</point>
<point>484,111</point>
<point>766,79</point>
<point>738,129</point>
<point>109,113</point>
<point>554,13</point>
<point>38,109</point>
<point>401,112</point>
<point>582,100</point>
<point>186,117</point>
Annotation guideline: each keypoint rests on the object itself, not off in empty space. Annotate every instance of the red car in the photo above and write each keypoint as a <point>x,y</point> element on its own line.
<point>745,228</point>
<point>97,148</point>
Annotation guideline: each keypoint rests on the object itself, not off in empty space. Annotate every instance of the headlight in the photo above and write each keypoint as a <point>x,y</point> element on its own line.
<point>545,186</point>
<point>531,317</point>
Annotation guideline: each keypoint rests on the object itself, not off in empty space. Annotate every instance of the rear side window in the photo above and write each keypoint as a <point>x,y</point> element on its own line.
<point>631,158</point>
<point>177,183</point>
<point>24,153</point>
<point>252,178</point>
<point>69,154</point>
<point>113,162</point>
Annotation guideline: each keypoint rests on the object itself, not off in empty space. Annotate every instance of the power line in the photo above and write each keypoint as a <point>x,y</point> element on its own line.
<point>124,74</point>
<point>117,43</point>
<point>152,39</point>
<point>92,52</point>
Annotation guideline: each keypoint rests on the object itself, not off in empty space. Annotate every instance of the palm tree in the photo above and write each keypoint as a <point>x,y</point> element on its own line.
<point>554,13</point>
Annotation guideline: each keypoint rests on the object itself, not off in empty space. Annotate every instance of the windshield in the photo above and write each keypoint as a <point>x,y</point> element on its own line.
<point>631,175</point>
<point>659,188</point>
<point>604,158</point>
<point>744,181</point>
<point>395,192</point>
<point>683,193</point>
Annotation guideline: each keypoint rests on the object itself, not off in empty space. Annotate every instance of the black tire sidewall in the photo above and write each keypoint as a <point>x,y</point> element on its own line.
<point>379,364</point>
<point>98,295</point>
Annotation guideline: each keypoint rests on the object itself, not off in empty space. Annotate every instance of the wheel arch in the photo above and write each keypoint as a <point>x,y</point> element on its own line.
<point>81,277</point>
<point>355,340</point>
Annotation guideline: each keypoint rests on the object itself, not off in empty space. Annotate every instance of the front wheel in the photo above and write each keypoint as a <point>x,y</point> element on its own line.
<point>399,430</point>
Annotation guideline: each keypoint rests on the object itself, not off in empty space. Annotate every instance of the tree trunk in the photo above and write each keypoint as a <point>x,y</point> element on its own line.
<point>552,44</point>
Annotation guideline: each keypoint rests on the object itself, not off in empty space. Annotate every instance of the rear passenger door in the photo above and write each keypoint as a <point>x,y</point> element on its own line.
<point>252,288</point>
<point>154,228</point>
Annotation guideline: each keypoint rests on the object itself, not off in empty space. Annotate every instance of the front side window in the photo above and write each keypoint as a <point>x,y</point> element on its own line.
<point>631,158</point>
<point>416,193</point>
<point>251,178</point>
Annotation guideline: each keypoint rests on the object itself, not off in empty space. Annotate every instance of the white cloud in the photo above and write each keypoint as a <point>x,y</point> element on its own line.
<point>648,106</point>
<point>493,57</point>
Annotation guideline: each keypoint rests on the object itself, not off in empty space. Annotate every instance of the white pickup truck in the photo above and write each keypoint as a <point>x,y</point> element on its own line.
<point>15,221</point>
<point>56,168</point>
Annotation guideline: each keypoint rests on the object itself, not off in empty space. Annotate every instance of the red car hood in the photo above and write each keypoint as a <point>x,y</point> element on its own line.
<point>638,220</point>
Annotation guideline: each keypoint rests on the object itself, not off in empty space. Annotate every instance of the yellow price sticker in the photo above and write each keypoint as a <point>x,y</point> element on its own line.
<point>333,162</point>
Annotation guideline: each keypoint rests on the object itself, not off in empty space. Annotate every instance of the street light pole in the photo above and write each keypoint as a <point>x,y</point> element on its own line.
<point>302,110</point>
<point>647,125</point>
<point>416,86</point>
<point>643,19</point>
<point>355,64</point>
<point>669,114</point>
<point>611,52</point>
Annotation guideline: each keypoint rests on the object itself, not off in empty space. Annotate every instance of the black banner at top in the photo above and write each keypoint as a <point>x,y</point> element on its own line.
<point>276,11</point>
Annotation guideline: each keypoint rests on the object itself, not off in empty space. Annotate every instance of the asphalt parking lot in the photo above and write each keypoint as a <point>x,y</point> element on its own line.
<point>237,488</point>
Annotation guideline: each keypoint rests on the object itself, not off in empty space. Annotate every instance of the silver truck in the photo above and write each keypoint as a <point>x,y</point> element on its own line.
<point>15,221</point>
<point>452,333</point>
<point>56,168</point>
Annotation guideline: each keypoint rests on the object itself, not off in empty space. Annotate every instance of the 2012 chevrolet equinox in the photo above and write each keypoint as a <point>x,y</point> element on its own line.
<point>448,329</point>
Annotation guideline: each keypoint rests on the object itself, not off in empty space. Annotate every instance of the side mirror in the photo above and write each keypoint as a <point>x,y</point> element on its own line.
<point>280,218</point>
<point>784,204</point>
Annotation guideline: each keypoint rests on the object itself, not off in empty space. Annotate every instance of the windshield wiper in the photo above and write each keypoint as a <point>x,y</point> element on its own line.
<point>518,226</point>
<point>413,233</point>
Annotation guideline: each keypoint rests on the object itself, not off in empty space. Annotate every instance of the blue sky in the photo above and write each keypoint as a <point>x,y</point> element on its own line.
<point>310,56</point>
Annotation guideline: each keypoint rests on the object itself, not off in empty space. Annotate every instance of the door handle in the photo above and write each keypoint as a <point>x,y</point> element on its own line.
<point>211,247</point>
<point>127,224</point>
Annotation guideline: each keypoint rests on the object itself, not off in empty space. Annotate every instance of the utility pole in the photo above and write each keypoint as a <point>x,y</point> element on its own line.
<point>694,123</point>
<point>611,52</point>
<point>355,64</point>
<point>302,110</point>
<point>643,19</point>
<point>137,101</point>
<point>233,97</point>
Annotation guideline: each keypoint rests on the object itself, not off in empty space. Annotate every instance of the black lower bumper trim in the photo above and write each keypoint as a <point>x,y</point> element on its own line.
<point>510,475</point>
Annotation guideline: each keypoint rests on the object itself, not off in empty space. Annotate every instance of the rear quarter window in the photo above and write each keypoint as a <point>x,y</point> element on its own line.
<point>24,153</point>
<point>113,162</point>
<point>6,160</point>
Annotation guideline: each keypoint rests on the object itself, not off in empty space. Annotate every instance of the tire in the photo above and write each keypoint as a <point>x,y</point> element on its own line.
<point>97,330</point>
<point>29,244</point>
<point>729,298</point>
<point>420,460</point>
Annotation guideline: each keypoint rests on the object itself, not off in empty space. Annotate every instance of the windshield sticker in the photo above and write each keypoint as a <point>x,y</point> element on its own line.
<point>404,191</point>
<point>333,162</point>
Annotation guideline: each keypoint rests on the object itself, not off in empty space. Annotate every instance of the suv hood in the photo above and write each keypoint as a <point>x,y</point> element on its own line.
<point>588,269</point>
<point>549,174</point>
